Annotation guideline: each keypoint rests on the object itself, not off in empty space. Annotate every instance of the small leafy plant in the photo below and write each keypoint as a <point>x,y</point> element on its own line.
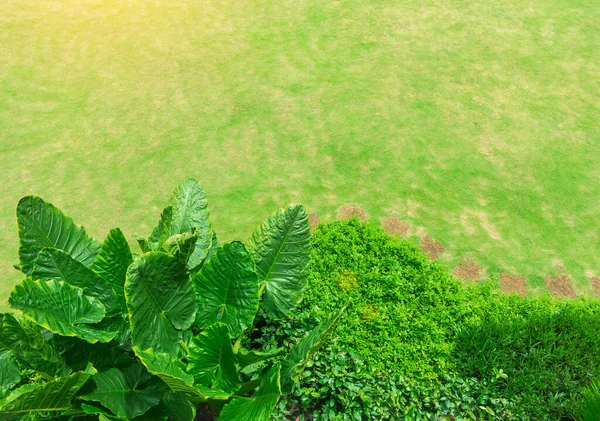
<point>110,335</point>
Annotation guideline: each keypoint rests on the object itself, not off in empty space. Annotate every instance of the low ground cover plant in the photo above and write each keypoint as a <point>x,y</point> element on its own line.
<point>417,344</point>
<point>106,334</point>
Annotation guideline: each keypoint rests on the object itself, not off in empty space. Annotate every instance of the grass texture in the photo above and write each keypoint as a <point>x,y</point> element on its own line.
<point>476,122</point>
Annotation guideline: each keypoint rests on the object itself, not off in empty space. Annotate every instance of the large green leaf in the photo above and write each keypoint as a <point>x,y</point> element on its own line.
<point>227,289</point>
<point>190,209</point>
<point>125,392</point>
<point>56,395</point>
<point>61,308</point>
<point>55,264</point>
<point>171,371</point>
<point>211,360</point>
<point>281,251</point>
<point>10,373</point>
<point>302,352</point>
<point>29,347</point>
<point>161,302</point>
<point>181,246</point>
<point>187,213</point>
<point>260,406</point>
<point>250,358</point>
<point>178,407</point>
<point>42,225</point>
<point>112,262</point>
<point>190,212</point>
<point>162,232</point>
<point>102,356</point>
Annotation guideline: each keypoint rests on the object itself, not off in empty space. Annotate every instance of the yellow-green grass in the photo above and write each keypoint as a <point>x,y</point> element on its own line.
<point>477,121</point>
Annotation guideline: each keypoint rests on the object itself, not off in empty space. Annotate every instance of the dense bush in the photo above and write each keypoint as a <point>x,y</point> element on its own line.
<point>109,335</point>
<point>417,344</point>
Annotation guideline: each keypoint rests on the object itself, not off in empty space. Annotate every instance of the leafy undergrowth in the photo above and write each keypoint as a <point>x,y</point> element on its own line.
<point>416,344</point>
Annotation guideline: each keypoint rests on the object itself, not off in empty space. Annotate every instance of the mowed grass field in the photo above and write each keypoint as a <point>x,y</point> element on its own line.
<point>475,121</point>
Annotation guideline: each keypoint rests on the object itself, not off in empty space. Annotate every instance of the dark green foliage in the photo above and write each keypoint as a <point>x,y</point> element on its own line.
<point>549,350</point>
<point>108,336</point>
<point>590,410</point>
<point>415,343</point>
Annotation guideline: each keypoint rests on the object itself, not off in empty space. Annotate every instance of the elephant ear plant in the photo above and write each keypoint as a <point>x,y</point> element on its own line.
<point>105,334</point>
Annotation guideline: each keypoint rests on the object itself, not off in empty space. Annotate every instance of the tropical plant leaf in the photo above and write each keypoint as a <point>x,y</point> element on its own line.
<point>178,407</point>
<point>281,251</point>
<point>211,360</point>
<point>190,209</point>
<point>162,232</point>
<point>61,308</point>
<point>112,262</point>
<point>55,395</point>
<point>55,264</point>
<point>77,353</point>
<point>227,289</point>
<point>181,246</point>
<point>190,212</point>
<point>42,225</point>
<point>171,371</point>
<point>260,406</point>
<point>10,373</point>
<point>29,347</point>
<point>302,352</point>
<point>247,358</point>
<point>161,302</point>
<point>125,392</point>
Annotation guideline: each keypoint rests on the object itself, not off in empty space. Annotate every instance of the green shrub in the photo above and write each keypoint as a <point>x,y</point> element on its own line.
<point>417,344</point>
<point>550,350</point>
<point>109,335</point>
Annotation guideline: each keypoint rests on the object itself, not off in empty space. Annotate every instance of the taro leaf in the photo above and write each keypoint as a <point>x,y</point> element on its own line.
<point>260,406</point>
<point>304,350</point>
<point>61,308</point>
<point>181,246</point>
<point>42,225</point>
<point>30,348</point>
<point>178,407</point>
<point>125,392</point>
<point>249,358</point>
<point>211,360</point>
<point>54,264</point>
<point>190,209</point>
<point>161,302</point>
<point>78,353</point>
<point>214,246</point>
<point>56,395</point>
<point>112,262</point>
<point>10,374</point>
<point>227,289</point>
<point>162,232</point>
<point>281,251</point>
<point>171,372</point>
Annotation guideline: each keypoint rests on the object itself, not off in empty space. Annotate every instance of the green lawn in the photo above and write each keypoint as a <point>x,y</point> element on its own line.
<point>477,122</point>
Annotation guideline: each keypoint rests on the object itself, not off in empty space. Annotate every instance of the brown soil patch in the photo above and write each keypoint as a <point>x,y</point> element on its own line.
<point>432,248</point>
<point>313,220</point>
<point>350,210</point>
<point>595,281</point>
<point>468,270</point>
<point>513,283</point>
<point>560,286</point>
<point>394,227</point>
